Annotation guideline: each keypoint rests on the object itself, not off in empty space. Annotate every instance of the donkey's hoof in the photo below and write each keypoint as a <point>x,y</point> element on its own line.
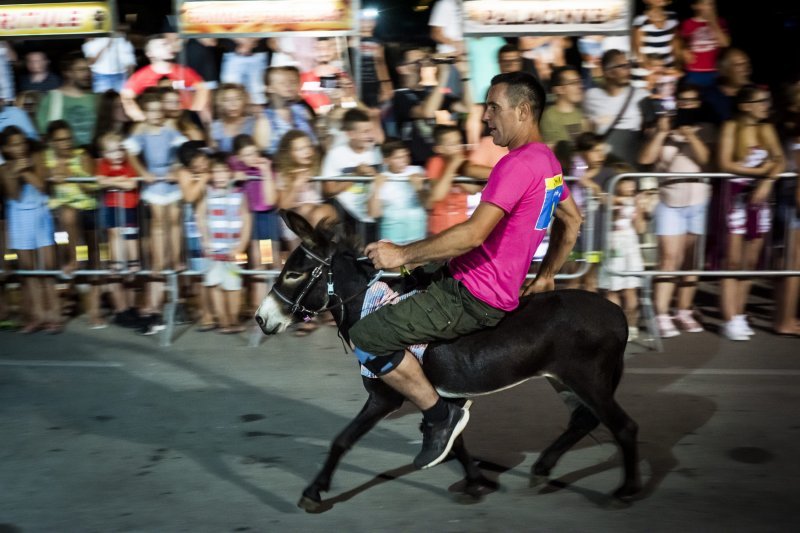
<point>476,489</point>
<point>624,496</point>
<point>538,479</point>
<point>309,505</point>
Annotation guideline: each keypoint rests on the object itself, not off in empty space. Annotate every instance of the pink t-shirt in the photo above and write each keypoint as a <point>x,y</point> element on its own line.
<point>527,184</point>
<point>702,42</point>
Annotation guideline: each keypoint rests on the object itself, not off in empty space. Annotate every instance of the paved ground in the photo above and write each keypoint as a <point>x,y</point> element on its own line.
<point>105,431</point>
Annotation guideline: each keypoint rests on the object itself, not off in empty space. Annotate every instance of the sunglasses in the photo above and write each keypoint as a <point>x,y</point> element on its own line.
<point>621,65</point>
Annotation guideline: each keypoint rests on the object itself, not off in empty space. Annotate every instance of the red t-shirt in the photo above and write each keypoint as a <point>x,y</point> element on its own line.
<point>182,78</point>
<point>115,198</point>
<point>450,210</point>
<point>702,42</point>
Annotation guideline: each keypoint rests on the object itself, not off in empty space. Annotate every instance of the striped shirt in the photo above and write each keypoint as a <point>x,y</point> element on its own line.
<point>658,41</point>
<point>223,212</point>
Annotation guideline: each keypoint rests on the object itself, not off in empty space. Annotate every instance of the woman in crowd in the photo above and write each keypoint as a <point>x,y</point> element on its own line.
<point>30,228</point>
<point>232,109</point>
<point>748,147</point>
<point>74,203</point>
<point>679,146</point>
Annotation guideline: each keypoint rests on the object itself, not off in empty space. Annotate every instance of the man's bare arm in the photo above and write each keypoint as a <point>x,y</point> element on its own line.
<point>453,242</point>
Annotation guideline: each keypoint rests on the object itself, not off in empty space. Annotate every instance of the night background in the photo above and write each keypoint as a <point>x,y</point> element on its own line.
<point>769,31</point>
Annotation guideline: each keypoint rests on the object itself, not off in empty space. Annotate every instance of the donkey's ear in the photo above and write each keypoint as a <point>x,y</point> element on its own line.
<point>299,226</point>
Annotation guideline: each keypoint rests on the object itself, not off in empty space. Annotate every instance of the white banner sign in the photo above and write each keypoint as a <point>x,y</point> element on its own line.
<point>529,17</point>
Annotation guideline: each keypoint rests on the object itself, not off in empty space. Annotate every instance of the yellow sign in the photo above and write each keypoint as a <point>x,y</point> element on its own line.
<point>73,18</point>
<point>265,16</point>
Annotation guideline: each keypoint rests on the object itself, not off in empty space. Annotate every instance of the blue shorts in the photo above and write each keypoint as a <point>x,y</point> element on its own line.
<point>29,229</point>
<point>681,220</point>
<point>122,217</point>
<point>266,225</point>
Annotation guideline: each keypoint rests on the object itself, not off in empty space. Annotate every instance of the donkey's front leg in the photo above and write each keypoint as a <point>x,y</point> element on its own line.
<point>477,484</point>
<point>382,401</point>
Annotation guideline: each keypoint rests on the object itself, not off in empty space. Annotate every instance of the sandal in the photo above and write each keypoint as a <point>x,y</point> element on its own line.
<point>231,330</point>
<point>54,328</point>
<point>202,328</point>
<point>33,327</point>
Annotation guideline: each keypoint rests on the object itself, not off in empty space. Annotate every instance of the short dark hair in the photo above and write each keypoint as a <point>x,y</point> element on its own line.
<point>57,125</point>
<point>506,48</point>
<point>70,59</point>
<point>609,56</point>
<point>557,76</point>
<point>285,68</point>
<point>391,145</point>
<point>220,158</point>
<point>352,117</point>
<point>440,130</point>
<point>523,87</point>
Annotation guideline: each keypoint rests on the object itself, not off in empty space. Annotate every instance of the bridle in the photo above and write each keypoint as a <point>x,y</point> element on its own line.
<point>297,306</point>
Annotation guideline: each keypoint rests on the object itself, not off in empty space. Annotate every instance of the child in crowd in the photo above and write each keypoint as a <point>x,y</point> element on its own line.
<point>589,165</point>
<point>254,172</point>
<point>629,221</point>
<point>298,161</point>
<point>225,222</point>
<point>194,174</point>
<point>116,175</point>
<point>447,201</point>
<point>157,144</point>
<point>74,203</point>
<point>30,228</point>
<point>398,204</point>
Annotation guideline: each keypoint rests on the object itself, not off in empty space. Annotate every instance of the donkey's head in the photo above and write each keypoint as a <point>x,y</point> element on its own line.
<point>301,289</point>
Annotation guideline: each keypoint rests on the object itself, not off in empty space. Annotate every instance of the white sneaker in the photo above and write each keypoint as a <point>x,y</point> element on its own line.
<point>687,322</point>
<point>666,328</point>
<point>732,330</point>
<point>633,333</point>
<point>743,325</point>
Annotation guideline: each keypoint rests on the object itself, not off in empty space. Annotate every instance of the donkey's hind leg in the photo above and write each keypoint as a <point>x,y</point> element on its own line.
<point>581,422</point>
<point>477,485</point>
<point>382,401</point>
<point>603,405</point>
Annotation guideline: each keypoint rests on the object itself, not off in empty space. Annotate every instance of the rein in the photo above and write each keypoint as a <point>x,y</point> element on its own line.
<point>316,274</point>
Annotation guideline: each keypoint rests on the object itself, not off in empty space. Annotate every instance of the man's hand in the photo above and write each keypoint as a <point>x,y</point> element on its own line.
<point>539,284</point>
<point>365,170</point>
<point>385,254</point>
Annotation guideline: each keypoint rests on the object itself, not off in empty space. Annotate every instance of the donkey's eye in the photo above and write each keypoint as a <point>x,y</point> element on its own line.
<point>293,276</point>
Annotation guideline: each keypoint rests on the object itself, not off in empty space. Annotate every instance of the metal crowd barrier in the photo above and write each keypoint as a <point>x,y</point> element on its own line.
<point>646,297</point>
<point>171,277</point>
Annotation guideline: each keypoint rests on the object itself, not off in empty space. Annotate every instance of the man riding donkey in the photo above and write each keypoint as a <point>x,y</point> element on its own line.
<point>489,256</point>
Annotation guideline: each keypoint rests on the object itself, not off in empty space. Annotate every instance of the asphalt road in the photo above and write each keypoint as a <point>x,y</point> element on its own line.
<point>104,431</point>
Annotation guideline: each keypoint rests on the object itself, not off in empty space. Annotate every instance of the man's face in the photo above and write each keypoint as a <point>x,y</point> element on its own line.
<point>361,136</point>
<point>570,87</point>
<point>503,119</point>
<point>325,51</point>
<point>160,50</point>
<point>510,62</point>
<point>412,64</point>
<point>36,63</point>
<point>737,68</point>
<point>618,71</point>
<point>80,74</point>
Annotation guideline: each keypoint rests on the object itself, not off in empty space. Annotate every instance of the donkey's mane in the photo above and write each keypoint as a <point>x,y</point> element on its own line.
<point>338,237</point>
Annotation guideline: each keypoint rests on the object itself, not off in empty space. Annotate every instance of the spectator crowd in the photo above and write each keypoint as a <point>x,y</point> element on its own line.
<point>176,155</point>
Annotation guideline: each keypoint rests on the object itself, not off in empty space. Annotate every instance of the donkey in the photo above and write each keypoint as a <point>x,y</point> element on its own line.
<point>574,338</point>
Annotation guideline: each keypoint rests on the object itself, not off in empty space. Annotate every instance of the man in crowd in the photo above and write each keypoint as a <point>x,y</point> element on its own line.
<point>564,120</point>
<point>38,76</point>
<point>73,102</point>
